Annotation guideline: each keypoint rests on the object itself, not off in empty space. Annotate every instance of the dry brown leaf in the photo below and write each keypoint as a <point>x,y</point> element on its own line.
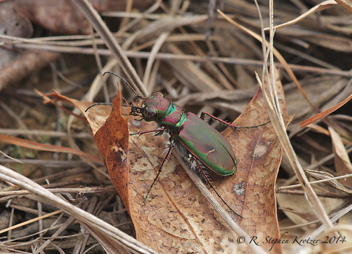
<point>14,24</point>
<point>110,132</point>
<point>112,141</point>
<point>259,155</point>
<point>176,217</point>
<point>25,65</point>
<point>62,16</point>
<point>179,210</point>
<point>300,212</point>
<point>342,160</point>
<point>329,179</point>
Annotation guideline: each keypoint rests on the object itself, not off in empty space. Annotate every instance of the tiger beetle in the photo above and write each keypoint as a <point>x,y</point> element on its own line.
<point>201,145</point>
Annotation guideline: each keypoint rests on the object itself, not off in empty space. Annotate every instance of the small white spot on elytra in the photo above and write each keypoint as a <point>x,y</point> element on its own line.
<point>211,151</point>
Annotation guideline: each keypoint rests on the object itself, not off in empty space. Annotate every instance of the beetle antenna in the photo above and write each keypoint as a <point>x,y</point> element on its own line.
<point>126,82</point>
<point>102,103</point>
<point>96,104</point>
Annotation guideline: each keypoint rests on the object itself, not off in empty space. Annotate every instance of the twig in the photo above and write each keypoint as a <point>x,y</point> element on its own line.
<point>167,56</point>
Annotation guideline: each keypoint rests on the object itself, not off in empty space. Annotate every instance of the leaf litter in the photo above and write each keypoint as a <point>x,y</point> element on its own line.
<point>168,222</point>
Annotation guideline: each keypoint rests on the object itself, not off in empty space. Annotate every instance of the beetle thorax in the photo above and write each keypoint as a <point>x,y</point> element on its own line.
<point>157,108</point>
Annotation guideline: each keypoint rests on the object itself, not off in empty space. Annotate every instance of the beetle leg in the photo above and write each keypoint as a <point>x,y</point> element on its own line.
<point>202,116</point>
<point>159,171</point>
<point>139,120</point>
<point>212,186</point>
<point>158,132</point>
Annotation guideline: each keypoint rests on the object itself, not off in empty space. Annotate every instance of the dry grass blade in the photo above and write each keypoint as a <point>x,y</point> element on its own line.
<point>113,236</point>
<point>276,119</point>
<point>30,221</point>
<point>345,4</point>
<point>319,129</point>
<point>322,6</point>
<point>112,44</point>
<point>46,147</point>
<point>201,62</point>
<point>324,177</point>
<point>167,56</point>
<point>342,161</point>
<point>276,53</point>
<point>323,228</point>
<point>159,42</point>
<point>325,113</point>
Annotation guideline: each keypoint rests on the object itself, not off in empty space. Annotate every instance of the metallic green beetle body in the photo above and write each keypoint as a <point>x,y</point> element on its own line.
<point>198,137</point>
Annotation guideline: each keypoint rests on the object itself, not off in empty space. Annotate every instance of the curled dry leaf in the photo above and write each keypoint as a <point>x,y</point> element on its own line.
<point>15,64</point>
<point>300,212</point>
<point>112,141</point>
<point>329,180</point>
<point>63,16</point>
<point>12,23</point>
<point>303,214</point>
<point>176,217</point>
<point>59,16</point>
<point>25,65</point>
<point>110,132</point>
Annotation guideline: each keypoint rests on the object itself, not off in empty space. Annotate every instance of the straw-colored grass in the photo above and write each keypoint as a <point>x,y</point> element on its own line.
<point>55,191</point>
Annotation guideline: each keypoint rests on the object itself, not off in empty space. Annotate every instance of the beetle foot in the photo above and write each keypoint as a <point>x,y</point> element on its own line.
<point>159,133</point>
<point>136,133</point>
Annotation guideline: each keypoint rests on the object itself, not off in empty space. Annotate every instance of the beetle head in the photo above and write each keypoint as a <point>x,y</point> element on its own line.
<point>155,107</point>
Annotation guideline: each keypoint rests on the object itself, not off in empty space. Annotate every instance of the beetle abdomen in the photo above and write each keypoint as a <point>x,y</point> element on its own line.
<point>189,159</point>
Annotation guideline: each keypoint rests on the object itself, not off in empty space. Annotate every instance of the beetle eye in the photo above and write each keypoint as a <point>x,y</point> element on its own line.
<point>149,113</point>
